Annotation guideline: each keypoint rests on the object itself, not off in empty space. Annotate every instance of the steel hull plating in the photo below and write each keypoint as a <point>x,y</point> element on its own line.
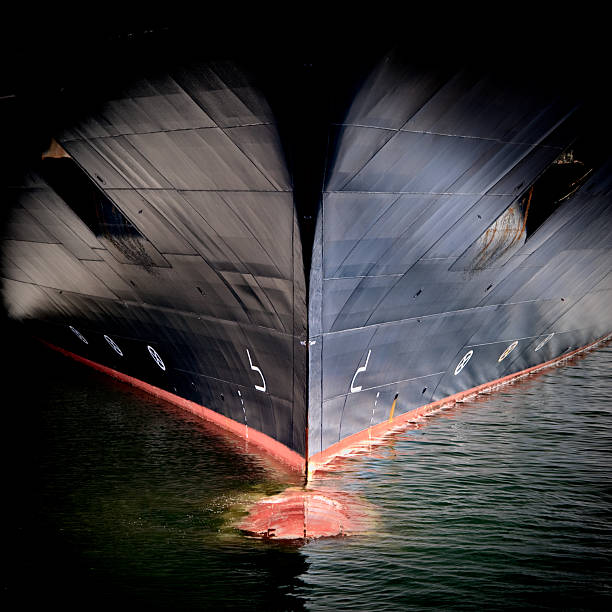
<point>301,268</point>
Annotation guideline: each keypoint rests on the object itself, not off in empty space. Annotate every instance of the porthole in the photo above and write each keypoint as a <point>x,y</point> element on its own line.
<point>508,351</point>
<point>78,334</point>
<point>158,360</point>
<point>113,345</point>
<point>463,362</point>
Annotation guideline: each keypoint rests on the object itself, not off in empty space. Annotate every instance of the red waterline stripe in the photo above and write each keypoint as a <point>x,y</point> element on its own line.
<point>290,457</point>
<point>259,439</point>
<point>355,440</point>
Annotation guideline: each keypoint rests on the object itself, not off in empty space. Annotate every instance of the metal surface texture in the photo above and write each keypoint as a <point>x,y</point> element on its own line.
<point>310,248</point>
<point>426,280</point>
<point>200,285</point>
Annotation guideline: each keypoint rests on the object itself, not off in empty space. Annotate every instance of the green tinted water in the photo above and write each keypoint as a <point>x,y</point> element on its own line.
<point>113,498</point>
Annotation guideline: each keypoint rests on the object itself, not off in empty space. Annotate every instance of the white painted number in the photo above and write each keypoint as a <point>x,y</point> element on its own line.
<point>114,345</point>
<point>78,334</point>
<point>156,357</point>
<point>507,351</point>
<point>543,342</point>
<point>258,387</point>
<point>361,369</point>
<point>463,362</point>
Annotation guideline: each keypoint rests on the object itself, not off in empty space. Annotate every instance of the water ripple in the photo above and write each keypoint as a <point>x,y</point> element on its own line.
<point>503,502</point>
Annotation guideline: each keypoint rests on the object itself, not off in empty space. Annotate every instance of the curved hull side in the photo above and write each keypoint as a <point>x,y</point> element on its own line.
<point>158,237</point>
<point>449,252</point>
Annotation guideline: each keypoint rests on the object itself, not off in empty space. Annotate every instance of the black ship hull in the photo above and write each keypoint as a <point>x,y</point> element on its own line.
<point>309,257</point>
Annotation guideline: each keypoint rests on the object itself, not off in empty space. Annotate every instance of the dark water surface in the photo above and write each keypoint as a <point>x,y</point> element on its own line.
<point>112,498</point>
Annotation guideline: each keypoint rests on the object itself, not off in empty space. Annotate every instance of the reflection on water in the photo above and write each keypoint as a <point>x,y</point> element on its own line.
<point>112,497</point>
